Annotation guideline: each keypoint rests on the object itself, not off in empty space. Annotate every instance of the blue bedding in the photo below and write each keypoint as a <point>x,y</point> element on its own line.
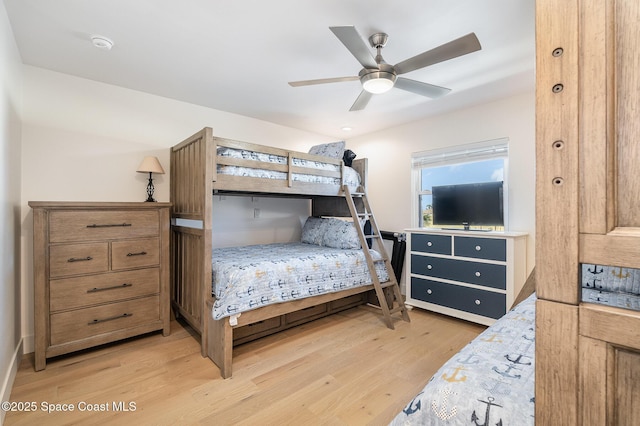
<point>489,382</point>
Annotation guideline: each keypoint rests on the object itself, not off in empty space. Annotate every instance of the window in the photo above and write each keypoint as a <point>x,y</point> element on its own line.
<point>473,163</point>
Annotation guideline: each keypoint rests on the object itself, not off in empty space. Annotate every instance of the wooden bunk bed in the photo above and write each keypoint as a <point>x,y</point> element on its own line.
<point>196,175</point>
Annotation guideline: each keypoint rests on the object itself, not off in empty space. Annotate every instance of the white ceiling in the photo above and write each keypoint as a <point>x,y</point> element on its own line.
<point>238,56</point>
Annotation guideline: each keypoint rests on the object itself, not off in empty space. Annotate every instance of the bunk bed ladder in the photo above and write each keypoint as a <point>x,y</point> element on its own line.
<point>394,302</point>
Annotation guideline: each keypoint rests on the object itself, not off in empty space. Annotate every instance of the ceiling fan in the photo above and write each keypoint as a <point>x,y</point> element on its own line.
<point>378,77</point>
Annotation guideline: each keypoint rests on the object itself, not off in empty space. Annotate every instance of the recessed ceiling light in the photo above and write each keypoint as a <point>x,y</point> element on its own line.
<point>101,42</point>
<point>346,129</point>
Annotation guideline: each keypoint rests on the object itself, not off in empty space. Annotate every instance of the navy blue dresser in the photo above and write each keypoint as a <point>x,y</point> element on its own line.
<point>467,274</point>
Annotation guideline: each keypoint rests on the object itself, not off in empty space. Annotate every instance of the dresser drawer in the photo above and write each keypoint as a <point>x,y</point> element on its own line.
<point>88,322</point>
<point>480,248</point>
<point>75,259</point>
<point>485,274</point>
<point>69,293</point>
<point>431,243</point>
<point>87,225</point>
<point>135,253</point>
<point>479,302</point>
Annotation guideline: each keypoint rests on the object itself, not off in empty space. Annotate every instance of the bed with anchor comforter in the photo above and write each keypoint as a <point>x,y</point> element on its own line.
<point>251,277</point>
<point>489,382</point>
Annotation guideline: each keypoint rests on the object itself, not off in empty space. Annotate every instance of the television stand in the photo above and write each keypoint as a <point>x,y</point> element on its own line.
<point>475,277</point>
<point>466,229</point>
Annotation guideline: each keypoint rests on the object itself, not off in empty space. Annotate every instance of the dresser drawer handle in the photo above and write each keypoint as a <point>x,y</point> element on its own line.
<point>429,244</point>
<point>98,321</point>
<point>108,225</point>
<point>478,248</point>
<point>79,259</point>
<point>478,273</point>
<point>429,267</point>
<point>477,302</point>
<point>141,253</point>
<point>429,291</point>
<point>97,289</point>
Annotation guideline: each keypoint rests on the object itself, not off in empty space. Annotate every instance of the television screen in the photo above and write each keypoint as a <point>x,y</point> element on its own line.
<point>474,204</point>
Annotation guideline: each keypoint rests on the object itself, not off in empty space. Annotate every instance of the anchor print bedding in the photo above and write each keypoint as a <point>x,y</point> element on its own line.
<point>489,382</point>
<point>351,177</point>
<point>250,277</point>
<point>611,286</point>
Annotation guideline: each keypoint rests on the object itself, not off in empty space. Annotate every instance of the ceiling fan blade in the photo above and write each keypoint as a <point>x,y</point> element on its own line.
<point>362,101</point>
<point>420,88</point>
<point>453,49</point>
<point>352,40</point>
<point>322,81</point>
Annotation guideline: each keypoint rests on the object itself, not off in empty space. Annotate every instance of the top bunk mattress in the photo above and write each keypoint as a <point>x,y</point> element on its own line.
<point>351,176</point>
<point>249,277</point>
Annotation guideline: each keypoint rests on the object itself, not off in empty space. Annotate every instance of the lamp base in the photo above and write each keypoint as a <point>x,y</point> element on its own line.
<point>150,190</point>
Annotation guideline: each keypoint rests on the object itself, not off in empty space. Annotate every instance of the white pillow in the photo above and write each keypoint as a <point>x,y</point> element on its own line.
<point>333,150</point>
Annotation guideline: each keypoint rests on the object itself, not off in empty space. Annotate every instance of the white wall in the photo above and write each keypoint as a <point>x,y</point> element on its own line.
<point>10,110</point>
<point>240,221</point>
<point>389,153</point>
<point>83,141</point>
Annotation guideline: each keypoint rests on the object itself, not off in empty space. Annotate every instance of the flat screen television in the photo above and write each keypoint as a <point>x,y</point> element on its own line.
<point>473,204</point>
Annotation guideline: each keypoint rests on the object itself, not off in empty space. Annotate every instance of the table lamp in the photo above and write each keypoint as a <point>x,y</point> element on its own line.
<point>150,165</point>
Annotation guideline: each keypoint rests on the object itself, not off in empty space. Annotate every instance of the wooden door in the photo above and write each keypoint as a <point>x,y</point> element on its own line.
<point>588,207</point>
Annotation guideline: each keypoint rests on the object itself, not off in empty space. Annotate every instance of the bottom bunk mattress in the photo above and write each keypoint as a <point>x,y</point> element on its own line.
<point>250,277</point>
<point>490,381</point>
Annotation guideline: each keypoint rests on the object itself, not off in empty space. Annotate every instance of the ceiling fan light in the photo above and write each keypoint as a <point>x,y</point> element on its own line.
<point>378,82</point>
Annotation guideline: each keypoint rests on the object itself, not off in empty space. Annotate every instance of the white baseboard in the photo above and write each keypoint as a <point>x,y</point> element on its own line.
<point>7,383</point>
<point>28,345</point>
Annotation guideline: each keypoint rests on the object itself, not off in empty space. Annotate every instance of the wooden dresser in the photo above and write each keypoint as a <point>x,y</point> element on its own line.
<point>100,273</point>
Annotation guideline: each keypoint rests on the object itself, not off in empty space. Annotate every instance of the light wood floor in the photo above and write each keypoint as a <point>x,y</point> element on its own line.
<point>346,369</point>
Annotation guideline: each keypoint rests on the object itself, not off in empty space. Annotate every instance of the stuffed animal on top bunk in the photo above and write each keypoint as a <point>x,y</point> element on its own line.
<point>348,157</point>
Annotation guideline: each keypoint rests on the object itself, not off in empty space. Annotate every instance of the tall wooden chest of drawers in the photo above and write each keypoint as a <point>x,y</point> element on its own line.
<point>100,274</point>
<point>471,275</point>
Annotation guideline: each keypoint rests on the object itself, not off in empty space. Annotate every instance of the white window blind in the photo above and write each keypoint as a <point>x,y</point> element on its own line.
<point>477,151</point>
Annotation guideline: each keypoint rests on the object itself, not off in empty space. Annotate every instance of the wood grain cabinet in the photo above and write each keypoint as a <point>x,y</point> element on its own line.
<point>100,274</point>
<point>470,275</point>
<point>587,199</point>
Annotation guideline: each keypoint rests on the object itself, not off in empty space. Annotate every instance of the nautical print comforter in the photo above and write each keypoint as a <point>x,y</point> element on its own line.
<point>611,286</point>
<point>351,177</point>
<point>250,277</point>
<point>489,382</point>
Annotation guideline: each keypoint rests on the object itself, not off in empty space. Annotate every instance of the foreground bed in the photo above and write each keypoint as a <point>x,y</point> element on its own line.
<point>489,382</point>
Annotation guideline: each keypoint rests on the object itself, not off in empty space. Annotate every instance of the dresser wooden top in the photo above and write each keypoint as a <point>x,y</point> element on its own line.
<point>96,205</point>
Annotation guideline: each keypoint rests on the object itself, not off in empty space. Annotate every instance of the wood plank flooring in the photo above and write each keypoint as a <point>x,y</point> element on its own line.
<point>345,369</point>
